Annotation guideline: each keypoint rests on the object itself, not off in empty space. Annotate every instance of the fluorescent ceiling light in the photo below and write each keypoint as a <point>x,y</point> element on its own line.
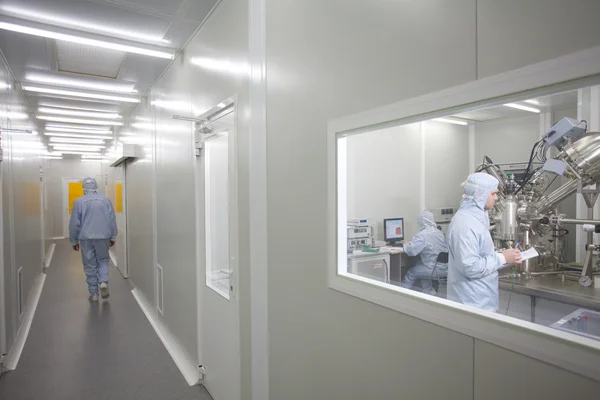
<point>451,121</point>
<point>75,135</point>
<point>83,40</point>
<point>14,115</point>
<point>99,131</point>
<point>524,108</point>
<point>534,102</point>
<point>78,141</point>
<point>89,85</point>
<point>79,152</point>
<point>86,25</point>
<point>80,94</point>
<point>91,156</point>
<point>72,113</point>
<point>92,160</point>
<point>53,105</point>
<point>81,147</point>
<point>52,157</point>
<point>78,121</point>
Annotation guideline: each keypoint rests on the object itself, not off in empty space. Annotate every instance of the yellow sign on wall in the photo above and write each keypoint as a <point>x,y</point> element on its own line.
<point>75,192</point>
<point>119,197</point>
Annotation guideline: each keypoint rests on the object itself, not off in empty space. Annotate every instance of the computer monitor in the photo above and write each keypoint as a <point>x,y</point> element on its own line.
<point>393,229</point>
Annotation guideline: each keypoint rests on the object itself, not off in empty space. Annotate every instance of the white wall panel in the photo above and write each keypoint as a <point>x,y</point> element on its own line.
<point>516,33</point>
<point>503,374</point>
<point>325,60</point>
<point>506,140</point>
<point>22,236</point>
<point>140,192</point>
<point>382,179</point>
<point>446,163</point>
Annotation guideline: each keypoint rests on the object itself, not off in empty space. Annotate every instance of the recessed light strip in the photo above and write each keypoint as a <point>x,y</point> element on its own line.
<point>78,121</point>
<point>80,94</point>
<point>99,131</point>
<point>83,40</point>
<point>74,135</point>
<point>451,121</point>
<point>57,19</point>
<point>89,85</point>
<point>522,107</point>
<point>72,113</point>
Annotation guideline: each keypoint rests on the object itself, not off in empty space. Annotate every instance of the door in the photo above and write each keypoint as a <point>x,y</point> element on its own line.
<point>72,190</point>
<point>218,316</point>
<point>120,206</point>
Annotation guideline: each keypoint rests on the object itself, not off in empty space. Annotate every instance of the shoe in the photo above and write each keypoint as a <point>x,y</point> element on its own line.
<point>431,292</point>
<point>104,290</point>
<point>93,297</point>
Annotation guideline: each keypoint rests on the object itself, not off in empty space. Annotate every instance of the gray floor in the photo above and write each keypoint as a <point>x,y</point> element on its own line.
<point>77,350</point>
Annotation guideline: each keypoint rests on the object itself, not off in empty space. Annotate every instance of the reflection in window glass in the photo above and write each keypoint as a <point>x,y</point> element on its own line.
<point>400,190</point>
<point>217,213</point>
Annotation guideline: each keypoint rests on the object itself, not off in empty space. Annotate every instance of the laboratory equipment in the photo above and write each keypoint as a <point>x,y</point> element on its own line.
<point>393,229</point>
<point>527,209</point>
<point>371,265</point>
<point>360,234</point>
<point>444,214</point>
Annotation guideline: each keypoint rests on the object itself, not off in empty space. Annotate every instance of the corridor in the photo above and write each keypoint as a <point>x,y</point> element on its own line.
<point>94,351</point>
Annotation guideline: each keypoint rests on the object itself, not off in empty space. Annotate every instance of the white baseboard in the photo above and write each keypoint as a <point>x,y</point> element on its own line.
<point>176,350</point>
<point>58,238</point>
<point>17,348</point>
<point>113,257</point>
<point>49,255</point>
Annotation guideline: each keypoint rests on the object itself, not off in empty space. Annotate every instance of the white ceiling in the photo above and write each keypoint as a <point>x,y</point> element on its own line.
<point>166,24</point>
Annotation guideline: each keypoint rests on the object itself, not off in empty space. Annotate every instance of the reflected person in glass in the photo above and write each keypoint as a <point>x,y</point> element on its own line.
<point>93,229</point>
<point>427,244</point>
<point>473,261</point>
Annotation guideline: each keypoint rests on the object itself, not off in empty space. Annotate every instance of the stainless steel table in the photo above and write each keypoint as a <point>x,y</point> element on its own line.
<point>551,287</point>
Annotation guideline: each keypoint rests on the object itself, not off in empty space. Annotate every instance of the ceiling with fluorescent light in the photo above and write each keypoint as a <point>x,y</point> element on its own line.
<point>43,63</point>
<point>547,104</point>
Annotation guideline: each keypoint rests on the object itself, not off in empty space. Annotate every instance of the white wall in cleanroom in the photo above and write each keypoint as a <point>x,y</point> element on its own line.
<point>506,140</point>
<point>21,237</point>
<point>385,169</point>
<point>334,58</point>
<point>446,163</point>
<point>162,187</point>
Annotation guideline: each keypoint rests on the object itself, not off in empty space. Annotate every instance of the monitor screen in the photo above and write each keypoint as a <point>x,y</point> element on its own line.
<point>394,229</point>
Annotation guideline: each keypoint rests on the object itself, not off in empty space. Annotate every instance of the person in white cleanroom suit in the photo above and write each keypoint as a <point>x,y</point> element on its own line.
<point>427,244</point>
<point>473,263</point>
<point>93,229</point>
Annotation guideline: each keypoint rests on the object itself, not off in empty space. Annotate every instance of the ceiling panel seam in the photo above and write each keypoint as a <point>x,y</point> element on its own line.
<point>210,13</point>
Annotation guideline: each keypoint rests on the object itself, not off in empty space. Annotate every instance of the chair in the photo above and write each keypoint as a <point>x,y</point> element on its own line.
<point>442,258</point>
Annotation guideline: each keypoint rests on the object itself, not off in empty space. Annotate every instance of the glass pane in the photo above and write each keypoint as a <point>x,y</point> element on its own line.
<point>405,219</point>
<point>217,213</point>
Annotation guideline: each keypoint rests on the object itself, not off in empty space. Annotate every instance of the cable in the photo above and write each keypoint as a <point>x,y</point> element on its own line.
<point>512,288</point>
<point>527,176</point>
<point>551,183</point>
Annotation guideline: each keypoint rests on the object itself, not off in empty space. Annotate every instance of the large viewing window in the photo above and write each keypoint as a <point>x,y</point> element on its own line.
<point>542,145</point>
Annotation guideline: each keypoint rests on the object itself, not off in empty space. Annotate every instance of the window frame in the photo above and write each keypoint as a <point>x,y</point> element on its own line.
<point>565,350</point>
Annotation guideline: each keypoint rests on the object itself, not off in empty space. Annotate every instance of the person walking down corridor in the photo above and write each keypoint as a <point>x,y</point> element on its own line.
<point>93,230</point>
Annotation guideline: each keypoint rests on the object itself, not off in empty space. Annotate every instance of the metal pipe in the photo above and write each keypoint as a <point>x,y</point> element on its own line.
<point>573,221</point>
<point>551,200</point>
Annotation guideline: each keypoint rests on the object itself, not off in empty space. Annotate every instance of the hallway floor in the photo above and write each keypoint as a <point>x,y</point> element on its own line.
<point>94,351</point>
